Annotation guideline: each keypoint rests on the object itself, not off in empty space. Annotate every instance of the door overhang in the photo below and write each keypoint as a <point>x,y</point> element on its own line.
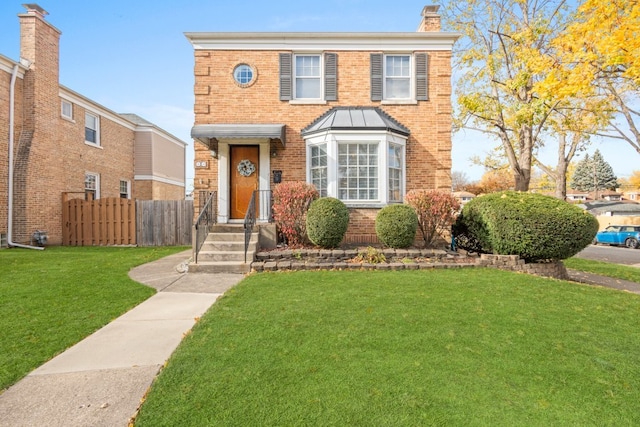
<point>205,133</point>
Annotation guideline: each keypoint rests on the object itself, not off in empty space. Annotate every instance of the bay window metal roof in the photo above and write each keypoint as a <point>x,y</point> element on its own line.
<point>355,119</point>
<point>218,131</point>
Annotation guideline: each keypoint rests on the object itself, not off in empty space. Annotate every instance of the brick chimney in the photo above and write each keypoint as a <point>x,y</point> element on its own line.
<point>39,40</point>
<point>37,144</point>
<point>430,19</point>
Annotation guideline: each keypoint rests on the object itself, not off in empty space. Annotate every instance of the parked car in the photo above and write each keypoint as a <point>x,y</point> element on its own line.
<point>628,235</point>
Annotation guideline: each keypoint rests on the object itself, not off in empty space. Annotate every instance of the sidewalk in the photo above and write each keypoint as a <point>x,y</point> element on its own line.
<point>607,282</point>
<point>101,380</point>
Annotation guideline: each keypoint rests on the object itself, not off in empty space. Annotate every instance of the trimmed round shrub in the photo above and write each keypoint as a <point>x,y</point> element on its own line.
<point>327,221</point>
<point>396,226</point>
<point>533,226</point>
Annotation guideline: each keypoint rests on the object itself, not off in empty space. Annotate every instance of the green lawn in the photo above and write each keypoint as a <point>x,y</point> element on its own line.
<point>51,299</point>
<point>467,347</point>
<point>616,271</point>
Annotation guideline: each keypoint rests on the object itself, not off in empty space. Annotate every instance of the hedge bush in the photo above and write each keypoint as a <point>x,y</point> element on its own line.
<point>291,201</point>
<point>327,221</point>
<point>396,226</point>
<point>533,226</point>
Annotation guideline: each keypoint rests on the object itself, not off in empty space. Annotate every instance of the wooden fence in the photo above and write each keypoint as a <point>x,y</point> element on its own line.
<point>110,221</point>
<point>164,222</point>
<point>116,221</point>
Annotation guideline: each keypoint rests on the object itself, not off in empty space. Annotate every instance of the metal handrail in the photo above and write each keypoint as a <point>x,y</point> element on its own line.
<point>249,222</point>
<point>250,216</point>
<point>206,219</point>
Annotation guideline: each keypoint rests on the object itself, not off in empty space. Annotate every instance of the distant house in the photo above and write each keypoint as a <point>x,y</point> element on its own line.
<point>612,208</point>
<point>61,143</point>
<point>631,195</point>
<point>608,195</point>
<point>463,196</point>
<point>576,195</point>
<point>365,117</point>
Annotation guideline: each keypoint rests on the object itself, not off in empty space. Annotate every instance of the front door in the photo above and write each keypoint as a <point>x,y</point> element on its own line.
<point>245,160</point>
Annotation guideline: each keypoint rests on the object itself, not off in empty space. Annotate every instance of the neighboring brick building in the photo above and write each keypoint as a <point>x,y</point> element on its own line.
<point>363,116</point>
<point>65,144</point>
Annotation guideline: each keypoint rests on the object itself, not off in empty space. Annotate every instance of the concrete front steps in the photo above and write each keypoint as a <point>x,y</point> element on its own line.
<point>223,251</point>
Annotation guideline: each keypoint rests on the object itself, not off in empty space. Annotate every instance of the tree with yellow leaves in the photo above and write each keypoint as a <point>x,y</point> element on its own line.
<point>634,179</point>
<point>598,57</point>
<point>495,88</point>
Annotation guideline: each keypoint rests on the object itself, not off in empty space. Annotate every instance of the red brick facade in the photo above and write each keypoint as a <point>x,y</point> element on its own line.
<point>51,156</point>
<point>220,100</point>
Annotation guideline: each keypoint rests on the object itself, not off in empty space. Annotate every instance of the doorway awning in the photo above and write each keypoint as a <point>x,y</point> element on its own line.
<point>204,133</point>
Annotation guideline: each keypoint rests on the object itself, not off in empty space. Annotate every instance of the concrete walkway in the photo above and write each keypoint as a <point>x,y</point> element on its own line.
<point>101,380</point>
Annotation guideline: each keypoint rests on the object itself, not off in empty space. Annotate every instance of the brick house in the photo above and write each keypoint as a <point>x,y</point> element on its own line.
<point>365,117</point>
<point>63,143</point>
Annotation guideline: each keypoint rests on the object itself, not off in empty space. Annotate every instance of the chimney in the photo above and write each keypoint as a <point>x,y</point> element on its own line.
<point>34,9</point>
<point>39,46</point>
<point>430,19</point>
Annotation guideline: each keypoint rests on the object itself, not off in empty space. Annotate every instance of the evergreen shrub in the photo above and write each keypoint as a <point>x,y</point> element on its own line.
<point>327,221</point>
<point>396,226</point>
<point>533,226</point>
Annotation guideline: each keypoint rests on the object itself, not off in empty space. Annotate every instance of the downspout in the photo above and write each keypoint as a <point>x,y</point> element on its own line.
<point>12,95</point>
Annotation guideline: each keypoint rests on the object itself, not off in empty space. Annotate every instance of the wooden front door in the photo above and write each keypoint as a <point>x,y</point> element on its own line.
<point>245,161</point>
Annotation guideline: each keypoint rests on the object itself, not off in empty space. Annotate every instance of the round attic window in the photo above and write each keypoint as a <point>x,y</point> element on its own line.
<point>244,75</point>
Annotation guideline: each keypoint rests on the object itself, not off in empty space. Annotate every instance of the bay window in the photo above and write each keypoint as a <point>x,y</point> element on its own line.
<point>359,169</point>
<point>357,155</point>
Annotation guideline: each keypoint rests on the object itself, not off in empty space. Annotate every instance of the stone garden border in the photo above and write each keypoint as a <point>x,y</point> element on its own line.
<point>398,259</point>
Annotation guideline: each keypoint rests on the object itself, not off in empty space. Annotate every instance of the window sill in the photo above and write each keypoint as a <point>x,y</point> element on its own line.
<point>372,205</point>
<point>308,102</point>
<point>69,119</point>
<point>399,102</point>
<point>91,144</point>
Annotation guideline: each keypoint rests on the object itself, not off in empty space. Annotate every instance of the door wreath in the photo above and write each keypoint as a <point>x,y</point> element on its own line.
<point>246,168</point>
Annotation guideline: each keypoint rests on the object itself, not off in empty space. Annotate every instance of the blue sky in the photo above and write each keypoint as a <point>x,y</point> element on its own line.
<point>132,56</point>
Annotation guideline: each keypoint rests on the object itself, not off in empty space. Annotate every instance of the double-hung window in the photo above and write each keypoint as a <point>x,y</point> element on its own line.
<point>309,77</point>
<point>66,109</point>
<point>91,129</point>
<point>397,77</point>
<point>125,189</point>
<point>91,186</point>
<point>395,162</point>
<point>318,168</point>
